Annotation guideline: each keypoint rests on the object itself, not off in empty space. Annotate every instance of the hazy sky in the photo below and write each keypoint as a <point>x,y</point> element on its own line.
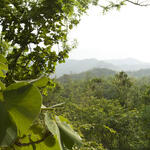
<point>118,34</point>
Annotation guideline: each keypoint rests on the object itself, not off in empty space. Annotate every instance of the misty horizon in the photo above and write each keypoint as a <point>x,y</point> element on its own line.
<point>74,66</point>
<point>111,59</point>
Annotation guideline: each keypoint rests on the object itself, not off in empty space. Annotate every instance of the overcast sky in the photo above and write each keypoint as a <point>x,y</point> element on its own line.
<point>116,35</point>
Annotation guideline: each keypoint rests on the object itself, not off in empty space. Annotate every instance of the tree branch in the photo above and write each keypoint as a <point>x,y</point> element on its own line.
<point>138,3</point>
<point>33,142</point>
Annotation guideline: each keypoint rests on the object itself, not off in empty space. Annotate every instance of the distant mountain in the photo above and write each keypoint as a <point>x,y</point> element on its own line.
<point>94,73</point>
<point>140,73</point>
<point>78,66</point>
<point>129,64</point>
<point>126,61</point>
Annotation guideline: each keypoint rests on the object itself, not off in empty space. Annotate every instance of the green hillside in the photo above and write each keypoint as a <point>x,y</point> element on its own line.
<point>94,73</point>
<point>103,73</point>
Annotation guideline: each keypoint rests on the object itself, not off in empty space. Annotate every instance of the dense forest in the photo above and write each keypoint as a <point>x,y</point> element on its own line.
<point>110,113</point>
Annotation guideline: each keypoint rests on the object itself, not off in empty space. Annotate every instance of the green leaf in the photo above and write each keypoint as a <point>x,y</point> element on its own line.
<point>23,102</point>
<point>68,136</point>
<point>8,130</point>
<point>53,128</point>
<point>41,82</point>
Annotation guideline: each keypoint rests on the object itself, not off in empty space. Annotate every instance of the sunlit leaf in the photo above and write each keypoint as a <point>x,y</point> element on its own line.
<point>68,136</point>
<point>53,128</point>
<point>23,102</point>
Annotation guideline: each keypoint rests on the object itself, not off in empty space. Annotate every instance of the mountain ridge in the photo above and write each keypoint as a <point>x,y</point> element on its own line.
<point>72,66</point>
<point>102,73</point>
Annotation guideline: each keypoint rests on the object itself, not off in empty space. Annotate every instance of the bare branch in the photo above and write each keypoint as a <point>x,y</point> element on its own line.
<point>52,107</point>
<point>138,3</point>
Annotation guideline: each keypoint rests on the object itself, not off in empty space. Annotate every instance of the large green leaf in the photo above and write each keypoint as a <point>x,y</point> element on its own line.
<point>68,136</point>
<point>53,128</point>
<point>8,130</point>
<point>23,102</point>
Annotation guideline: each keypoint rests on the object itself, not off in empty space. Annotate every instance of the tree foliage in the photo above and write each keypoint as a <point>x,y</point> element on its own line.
<point>110,113</point>
<point>32,29</point>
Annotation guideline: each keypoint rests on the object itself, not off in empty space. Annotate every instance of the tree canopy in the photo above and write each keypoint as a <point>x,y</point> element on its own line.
<point>31,30</point>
